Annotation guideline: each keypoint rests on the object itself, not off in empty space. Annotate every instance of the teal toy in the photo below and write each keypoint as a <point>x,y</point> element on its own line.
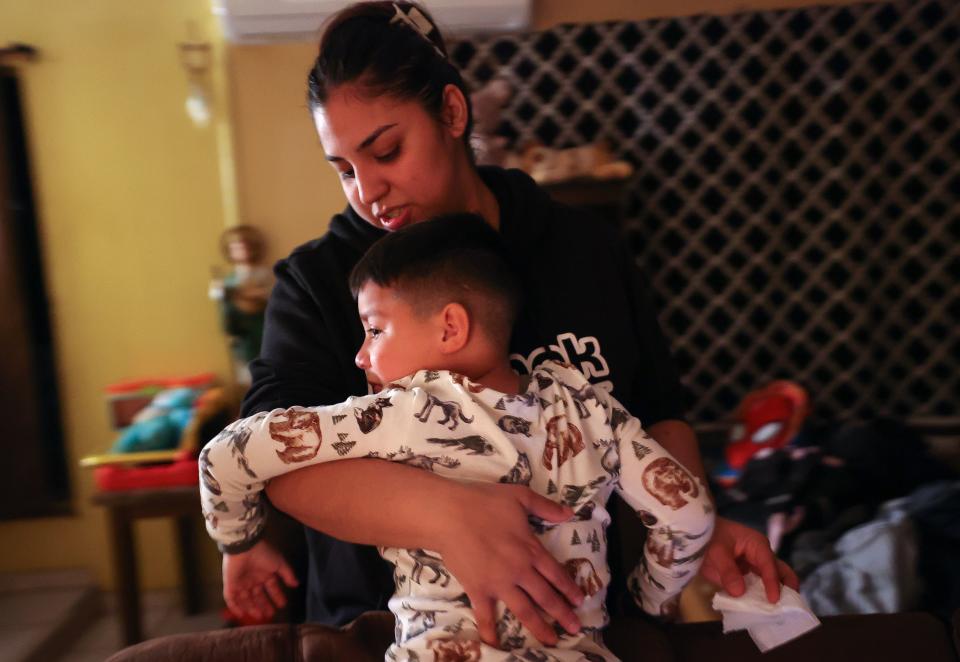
<point>160,425</point>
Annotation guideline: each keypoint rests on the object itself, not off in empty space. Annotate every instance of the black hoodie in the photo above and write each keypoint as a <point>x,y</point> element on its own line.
<point>585,302</point>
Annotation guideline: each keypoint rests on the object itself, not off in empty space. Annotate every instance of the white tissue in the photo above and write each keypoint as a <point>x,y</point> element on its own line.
<point>769,625</point>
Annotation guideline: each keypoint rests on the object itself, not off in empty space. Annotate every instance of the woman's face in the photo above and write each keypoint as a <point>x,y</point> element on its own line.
<point>396,163</point>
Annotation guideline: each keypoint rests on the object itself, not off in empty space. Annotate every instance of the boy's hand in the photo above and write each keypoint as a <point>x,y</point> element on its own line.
<point>736,549</point>
<point>250,584</point>
<point>496,556</point>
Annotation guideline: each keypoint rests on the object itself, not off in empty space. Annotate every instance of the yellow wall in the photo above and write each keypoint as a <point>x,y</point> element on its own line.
<point>284,184</point>
<point>130,210</point>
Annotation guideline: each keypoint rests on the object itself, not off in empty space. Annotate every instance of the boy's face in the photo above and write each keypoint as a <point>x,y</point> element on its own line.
<point>397,341</point>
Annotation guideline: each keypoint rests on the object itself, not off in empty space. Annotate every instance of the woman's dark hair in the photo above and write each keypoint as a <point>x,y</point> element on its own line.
<point>363,43</point>
<point>454,257</point>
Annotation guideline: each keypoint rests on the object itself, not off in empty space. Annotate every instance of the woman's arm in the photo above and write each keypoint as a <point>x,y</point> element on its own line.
<point>480,529</point>
<point>369,502</point>
<point>659,396</point>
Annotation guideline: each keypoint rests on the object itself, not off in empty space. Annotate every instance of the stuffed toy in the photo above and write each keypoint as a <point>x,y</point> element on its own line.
<point>765,468</point>
<point>159,447</point>
<point>767,419</point>
<point>160,425</point>
<point>545,164</point>
<point>487,102</point>
<point>594,161</point>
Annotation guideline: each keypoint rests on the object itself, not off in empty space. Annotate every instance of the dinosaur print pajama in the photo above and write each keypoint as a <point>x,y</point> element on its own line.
<point>561,437</point>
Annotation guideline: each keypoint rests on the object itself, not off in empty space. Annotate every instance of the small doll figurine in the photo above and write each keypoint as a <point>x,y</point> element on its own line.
<point>243,294</point>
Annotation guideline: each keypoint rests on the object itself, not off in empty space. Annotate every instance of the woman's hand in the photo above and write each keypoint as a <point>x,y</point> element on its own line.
<point>491,549</point>
<point>736,549</point>
<point>481,530</point>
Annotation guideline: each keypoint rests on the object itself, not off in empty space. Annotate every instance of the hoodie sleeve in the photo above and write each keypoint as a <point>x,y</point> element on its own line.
<point>673,505</point>
<point>236,465</point>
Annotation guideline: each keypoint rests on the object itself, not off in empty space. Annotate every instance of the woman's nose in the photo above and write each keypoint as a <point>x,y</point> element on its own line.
<point>371,186</point>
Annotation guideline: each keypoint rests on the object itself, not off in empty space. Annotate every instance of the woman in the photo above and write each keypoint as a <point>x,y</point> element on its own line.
<point>394,120</point>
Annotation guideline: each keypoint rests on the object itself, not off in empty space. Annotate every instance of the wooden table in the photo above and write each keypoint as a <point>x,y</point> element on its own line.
<point>123,509</point>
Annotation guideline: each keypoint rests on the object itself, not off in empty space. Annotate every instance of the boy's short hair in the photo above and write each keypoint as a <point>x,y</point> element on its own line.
<point>451,258</point>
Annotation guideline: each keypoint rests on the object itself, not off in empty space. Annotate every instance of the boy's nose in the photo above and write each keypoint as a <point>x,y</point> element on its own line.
<point>362,360</point>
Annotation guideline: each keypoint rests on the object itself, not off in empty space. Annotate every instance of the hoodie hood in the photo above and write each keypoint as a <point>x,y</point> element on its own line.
<point>348,227</point>
<point>524,206</point>
<point>523,211</point>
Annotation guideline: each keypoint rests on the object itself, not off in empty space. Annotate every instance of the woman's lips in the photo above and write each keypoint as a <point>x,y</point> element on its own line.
<point>397,221</point>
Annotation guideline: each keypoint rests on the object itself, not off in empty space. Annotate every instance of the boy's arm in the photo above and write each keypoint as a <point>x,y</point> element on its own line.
<point>734,546</point>
<point>675,507</point>
<point>237,463</point>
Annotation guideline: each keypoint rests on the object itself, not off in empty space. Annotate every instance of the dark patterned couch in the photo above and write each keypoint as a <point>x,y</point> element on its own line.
<point>917,637</point>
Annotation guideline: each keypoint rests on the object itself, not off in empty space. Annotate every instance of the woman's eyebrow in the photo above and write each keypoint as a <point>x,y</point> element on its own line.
<point>366,141</point>
<point>373,136</point>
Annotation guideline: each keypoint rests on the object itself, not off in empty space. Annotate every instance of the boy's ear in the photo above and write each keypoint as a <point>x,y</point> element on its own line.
<point>455,328</point>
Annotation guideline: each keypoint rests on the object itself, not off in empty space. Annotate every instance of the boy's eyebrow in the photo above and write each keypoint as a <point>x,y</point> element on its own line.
<point>366,142</point>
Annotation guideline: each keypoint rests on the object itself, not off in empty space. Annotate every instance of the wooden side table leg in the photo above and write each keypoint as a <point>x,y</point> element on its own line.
<point>189,572</point>
<point>128,589</point>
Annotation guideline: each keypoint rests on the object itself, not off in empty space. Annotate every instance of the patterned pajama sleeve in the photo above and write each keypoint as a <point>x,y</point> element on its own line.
<point>673,505</point>
<point>237,463</point>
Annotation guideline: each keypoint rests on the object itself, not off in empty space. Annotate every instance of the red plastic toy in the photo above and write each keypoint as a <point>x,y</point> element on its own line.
<point>768,418</point>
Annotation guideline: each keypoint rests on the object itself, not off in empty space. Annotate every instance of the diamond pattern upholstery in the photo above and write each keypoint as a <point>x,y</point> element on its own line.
<point>796,196</point>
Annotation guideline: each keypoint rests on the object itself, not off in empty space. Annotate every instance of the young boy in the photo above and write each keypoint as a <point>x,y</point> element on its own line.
<point>437,301</point>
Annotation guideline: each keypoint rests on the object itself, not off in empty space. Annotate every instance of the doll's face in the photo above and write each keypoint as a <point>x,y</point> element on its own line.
<point>239,251</point>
